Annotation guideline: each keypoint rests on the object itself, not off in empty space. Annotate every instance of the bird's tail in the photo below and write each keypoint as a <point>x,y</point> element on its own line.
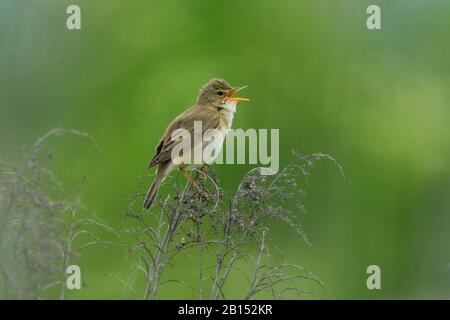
<point>152,191</point>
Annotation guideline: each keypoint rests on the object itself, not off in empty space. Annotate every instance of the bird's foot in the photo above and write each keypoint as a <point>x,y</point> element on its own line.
<point>194,184</point>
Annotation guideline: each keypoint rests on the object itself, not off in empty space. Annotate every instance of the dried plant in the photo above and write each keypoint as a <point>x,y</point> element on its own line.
<point>228,227</point>
<point>40,232</point>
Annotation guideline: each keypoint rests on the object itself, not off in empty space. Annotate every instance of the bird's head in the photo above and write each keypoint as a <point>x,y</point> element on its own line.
<point>218,93</point>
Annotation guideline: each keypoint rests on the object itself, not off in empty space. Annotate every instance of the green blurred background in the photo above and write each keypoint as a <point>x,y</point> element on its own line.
<point>376,100</point>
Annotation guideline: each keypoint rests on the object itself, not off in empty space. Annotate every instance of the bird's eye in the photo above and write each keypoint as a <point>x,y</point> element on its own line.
<point>220,93</point>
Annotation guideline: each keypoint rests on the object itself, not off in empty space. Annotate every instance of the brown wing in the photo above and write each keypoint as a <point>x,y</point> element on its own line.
<point>157,153</point>
<point>209,118</point>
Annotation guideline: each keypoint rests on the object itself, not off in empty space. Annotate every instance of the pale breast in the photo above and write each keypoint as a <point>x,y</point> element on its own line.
<point>213,139</point>
<point>227,113</point>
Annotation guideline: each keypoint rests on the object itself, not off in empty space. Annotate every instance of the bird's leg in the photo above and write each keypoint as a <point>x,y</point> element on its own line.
<point>205,170</point>
<point>194,184</point>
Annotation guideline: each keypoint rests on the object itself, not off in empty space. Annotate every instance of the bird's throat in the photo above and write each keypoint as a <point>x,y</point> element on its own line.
<point>228,110</point>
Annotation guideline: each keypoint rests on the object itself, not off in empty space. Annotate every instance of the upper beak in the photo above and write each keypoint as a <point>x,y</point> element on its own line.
<point>234,91</point>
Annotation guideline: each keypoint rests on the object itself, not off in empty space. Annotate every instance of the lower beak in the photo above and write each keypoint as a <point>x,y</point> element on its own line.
<point>234,91</point>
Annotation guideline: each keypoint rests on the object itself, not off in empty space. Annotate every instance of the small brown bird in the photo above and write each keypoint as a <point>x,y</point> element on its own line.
<point>214,109</point>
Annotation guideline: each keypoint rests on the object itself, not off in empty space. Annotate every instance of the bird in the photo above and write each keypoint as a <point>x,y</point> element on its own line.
<point>214,109</point>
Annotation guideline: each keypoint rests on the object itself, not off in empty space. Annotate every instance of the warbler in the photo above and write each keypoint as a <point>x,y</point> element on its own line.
<point>214,110</point>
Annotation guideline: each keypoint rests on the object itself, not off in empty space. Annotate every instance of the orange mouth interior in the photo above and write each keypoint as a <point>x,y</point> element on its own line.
<point>234,91</point>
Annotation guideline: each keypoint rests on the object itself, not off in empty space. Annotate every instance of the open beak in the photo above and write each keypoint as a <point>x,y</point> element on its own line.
<point>233,92</point>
